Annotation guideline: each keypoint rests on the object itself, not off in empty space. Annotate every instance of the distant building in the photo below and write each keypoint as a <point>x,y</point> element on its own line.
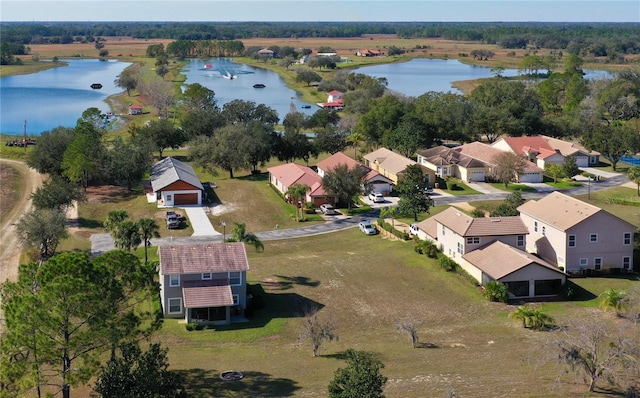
<point>135,110</point>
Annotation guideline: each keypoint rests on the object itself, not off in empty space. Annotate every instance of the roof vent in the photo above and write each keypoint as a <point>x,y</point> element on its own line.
<point>495,220</point>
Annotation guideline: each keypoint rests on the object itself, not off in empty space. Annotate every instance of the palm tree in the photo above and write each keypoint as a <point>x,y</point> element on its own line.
<point>296,192</point>
<point>148,229</point>
<point>612,299</point>
<point>532,318</point>
<point>239,234</point>
<point>390,211</point>
<point>634,175</point>
<point>355,139</point>
<point>522,314</point>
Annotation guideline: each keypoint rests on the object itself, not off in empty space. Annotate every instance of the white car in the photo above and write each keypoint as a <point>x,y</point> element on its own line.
<point>328,209</point>
<point>367,228</point>
<point>413,229</point>
<point>376,197</point>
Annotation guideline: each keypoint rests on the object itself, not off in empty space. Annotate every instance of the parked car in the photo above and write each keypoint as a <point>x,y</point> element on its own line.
<point>428,189</point>
<point>367,228</point>
<point>413,229</point>
<point>172,219</point>
<point>376,197</point>
<point>328,209</point>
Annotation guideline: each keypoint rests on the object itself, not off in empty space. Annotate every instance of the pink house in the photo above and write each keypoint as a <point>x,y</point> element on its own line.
<point>377,181</point>
<point>535,148</point>
<point>287,175</point>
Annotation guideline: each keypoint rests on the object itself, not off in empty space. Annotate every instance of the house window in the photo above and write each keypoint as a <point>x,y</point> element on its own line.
<point>626,262</point>
<point>235,278</point>
<point>175,305</point>
<point>535,226</point>
<point>593,159</point>
<point>236,299</point>
<point>593,238</point>
<point>626,238</point>
<point>443,230</point>
<point>459,247</point>
<point>572,241</point>
<point>520,241</point>
<point>584,262</point>
<point>544,230</point>
<point>174,280</point>
<point>473,240</point>
<point>169,198</point>
<point>207,276</point>
<point>597,263</point>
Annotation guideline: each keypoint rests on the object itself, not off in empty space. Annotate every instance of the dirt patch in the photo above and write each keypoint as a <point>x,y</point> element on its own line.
<point>108,193</point>
<point>8,187</point>
<point>222,209</point>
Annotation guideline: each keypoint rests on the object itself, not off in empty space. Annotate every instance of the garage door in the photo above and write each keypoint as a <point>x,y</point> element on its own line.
<point>185,199</point>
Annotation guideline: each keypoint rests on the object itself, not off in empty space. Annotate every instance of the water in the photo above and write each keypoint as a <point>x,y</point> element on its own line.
<point>418,76</point>
<point>215,76</point>
<point>57,96</point>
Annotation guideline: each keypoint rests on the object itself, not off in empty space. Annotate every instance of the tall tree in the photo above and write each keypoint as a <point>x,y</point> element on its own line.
<point>128,79</point>
<point>79,307</point>
<point>409,136</point>
<point>329,139</point>
<point>42,229</point>
<point>412,190</point>
<point>570,167</point>
<point>345,183</point>
<point>613,140</point>
<point>160,134</point>
<point>554,170</point>
<point>230,148</point>
<point>361,378</point>
<point>160,95</point>
<point>634,175</point>
<point>297,193</point>
<point>126,164</point>
<point>507,167</point>
<point>138,374</point>
<point>47,156</point>
<point>57,193</point>
<point>148,229</point>
<point>82,157</point>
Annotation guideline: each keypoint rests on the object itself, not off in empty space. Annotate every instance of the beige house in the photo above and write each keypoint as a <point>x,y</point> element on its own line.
<point>577,236</point>
<point>204,282</point>
<point>487,153</point>
<point>534,148</point>
<point>492,249</point>
<point>583,156</point>
<point>391,164</point>
<point>445,162</point>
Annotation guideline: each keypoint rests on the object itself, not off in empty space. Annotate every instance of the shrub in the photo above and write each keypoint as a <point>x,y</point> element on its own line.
<point>447,264</point>
<point>387,227</point>
<point>191,326</point>
<point>496,291</point>
<point>427,248</point>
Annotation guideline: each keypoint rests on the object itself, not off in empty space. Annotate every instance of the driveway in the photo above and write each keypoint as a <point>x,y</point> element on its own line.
<point>601,173</point>
<point>200,221</point>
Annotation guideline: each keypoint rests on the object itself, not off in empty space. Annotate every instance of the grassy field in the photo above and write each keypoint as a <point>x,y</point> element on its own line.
<point>467,345</point>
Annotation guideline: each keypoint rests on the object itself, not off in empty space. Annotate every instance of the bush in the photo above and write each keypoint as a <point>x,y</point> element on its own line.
<point>191,326</point>
<point>387,227</point>
<point>448,264</point>
<point>496,291</point>
<point>426,247</point>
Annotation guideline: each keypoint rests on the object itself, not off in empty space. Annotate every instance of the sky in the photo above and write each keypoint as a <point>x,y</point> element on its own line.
<point>322,10</point>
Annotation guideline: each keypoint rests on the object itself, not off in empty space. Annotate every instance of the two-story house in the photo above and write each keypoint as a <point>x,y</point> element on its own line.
<point>204,282</point>
<point>492,248</point>
<point>576,235</point>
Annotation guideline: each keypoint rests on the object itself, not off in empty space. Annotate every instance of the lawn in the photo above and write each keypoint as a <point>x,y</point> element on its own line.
<point>456,187</point>
<point>513,187</point>
<point>369,284</point>
<point>562,184</point>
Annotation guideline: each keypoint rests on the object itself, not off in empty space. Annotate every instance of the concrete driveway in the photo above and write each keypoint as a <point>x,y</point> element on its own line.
<point>200,221</point>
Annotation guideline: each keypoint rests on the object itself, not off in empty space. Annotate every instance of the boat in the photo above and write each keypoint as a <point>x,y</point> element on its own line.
<point>96,86</point>
<point>259,85</point>
<point>229,76</point>
<point>208,66</point>
<point>306,106</point>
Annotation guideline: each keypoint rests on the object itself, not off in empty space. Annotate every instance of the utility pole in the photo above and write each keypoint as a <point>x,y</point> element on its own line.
<point>24,141</point>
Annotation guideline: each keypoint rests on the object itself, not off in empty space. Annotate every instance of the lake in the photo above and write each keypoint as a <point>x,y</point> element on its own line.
<point>214,74</point>
<point>56,96</point>
<point>418,76</point>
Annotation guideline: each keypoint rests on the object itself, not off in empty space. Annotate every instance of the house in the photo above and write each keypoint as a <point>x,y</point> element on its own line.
<point>375,180</point>
<point>583,156</point>
<point>487,153</point>
<point>334,95</point>
<point>577,236</point>
<point>524,275</point>
<point>390,164</point>
<point>265,52</point>
<point>534,148</point>
<point>135,110</point>
<point>204,282</point>
<point>175,183</point>
<point>445,162</point>
<point>284,176</point>
<point>368,53</point>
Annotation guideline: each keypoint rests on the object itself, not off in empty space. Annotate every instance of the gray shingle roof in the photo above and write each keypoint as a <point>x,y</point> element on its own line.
<point>169,170</point>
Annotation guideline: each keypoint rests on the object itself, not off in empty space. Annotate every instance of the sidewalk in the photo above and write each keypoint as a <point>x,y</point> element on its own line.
<point>483,187</point>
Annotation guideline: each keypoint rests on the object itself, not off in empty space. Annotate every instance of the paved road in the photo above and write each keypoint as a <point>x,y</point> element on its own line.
<point>101,243</point>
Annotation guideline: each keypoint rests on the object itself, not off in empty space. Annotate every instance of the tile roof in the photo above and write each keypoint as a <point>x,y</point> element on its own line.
<point>486,153</point>
<point>559,210</point>
<point>389,160</point>
<point>465,225</point>
<point>498,260</point>
<point>337,159</point>
<point>444,156</point>
<point>213,293</point>
<point>291,173</point>
<point>201,258</point>
<point>169,170</point>
<point>529,144</point>
<point>568,148</point>
<point>429,226</point>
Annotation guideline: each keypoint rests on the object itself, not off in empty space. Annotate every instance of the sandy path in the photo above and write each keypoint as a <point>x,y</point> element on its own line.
<point>10,248</point>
